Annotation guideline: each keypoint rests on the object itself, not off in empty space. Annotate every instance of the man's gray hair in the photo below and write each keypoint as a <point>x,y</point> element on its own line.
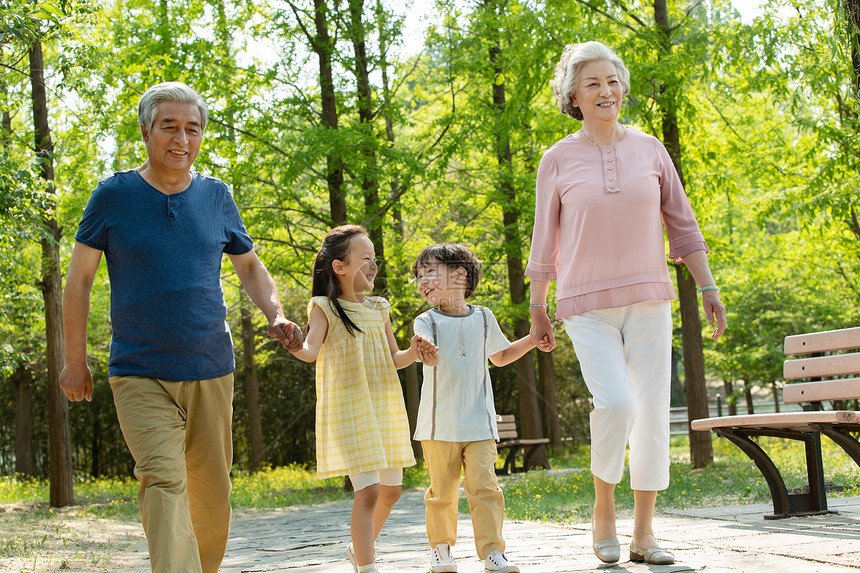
<point>574,57</point>
<point>169,91</point>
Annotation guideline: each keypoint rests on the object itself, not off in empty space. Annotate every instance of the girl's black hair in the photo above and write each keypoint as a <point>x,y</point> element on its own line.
<point>335,246</point>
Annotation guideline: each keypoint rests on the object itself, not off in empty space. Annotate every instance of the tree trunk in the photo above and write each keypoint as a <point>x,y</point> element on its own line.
<point>701,450</point>
<point>549,398</point>
<point>852,21</point>
<point>5,118</point>
<point>410,373</point>
<point>25,465</point>
<point>257,453</point>
<point>323,45</point>
<point>252,387</point>
<point>369,175</point>
<point>413,398</point>
<point>730,401</point>
<point>96,442</point>
<point>775,393</point>
<point>546,366</point>
<point>679,395</point>
<point>530,422</point>
<point>749,398</point>
<point>59,442</point>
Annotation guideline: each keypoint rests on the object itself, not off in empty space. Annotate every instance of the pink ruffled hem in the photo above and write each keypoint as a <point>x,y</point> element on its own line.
<point>680,251</point>
<point>614,298</point>
<point>533,273</point>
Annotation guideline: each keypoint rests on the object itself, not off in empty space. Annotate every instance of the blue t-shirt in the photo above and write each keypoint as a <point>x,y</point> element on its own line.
<point>163,256</point>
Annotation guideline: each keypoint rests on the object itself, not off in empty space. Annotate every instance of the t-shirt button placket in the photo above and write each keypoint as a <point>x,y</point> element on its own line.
<point>609,170</point>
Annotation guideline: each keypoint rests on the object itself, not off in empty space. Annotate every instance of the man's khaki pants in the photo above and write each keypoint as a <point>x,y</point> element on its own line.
<point>486,500</point>
<point>179,435</point>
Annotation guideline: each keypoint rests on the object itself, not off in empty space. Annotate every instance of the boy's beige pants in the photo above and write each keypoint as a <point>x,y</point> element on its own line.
<point>486,500</point>
<point>179,435</point>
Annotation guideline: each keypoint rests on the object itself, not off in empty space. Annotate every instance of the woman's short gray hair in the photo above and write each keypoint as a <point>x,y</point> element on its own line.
<point>574,57</point>
<point>169,91</point>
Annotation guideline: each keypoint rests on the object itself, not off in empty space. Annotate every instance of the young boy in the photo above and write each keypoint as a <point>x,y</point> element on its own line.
<point>456,417</point>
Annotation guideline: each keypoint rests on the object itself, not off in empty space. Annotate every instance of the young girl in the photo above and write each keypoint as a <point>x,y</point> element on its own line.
<point>361,424</point>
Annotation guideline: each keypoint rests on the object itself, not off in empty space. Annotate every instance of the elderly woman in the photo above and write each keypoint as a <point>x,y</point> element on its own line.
<point>603,194</point>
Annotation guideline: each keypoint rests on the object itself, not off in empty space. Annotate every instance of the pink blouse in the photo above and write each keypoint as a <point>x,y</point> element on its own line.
<point>601,210</point>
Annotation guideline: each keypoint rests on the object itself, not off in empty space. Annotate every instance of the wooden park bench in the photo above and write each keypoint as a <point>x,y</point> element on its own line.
<point>509,440</point>
<point>827,358</point>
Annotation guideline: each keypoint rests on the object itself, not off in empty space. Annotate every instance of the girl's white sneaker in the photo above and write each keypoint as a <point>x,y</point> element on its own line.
<point>350,554</point>
<point>496,562</point>
<point>441,559</point>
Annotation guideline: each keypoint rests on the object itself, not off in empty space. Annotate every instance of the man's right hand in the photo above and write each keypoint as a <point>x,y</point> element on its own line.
<point>286,332</point>
<point>77,382</point>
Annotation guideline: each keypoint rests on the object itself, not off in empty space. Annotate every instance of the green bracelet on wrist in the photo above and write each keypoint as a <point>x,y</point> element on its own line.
<point>711,287</point>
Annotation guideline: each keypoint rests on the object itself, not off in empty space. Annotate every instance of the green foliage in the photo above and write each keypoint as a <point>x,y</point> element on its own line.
<point>283,487</point>
<point>766,113</point>
<point>564,494</point>
<point>811,67</point>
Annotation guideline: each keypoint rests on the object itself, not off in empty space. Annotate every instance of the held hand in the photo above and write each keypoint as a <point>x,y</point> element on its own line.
<point>426,351</point>
<point>287,333</point>
<point>541,331</point>
<point>715,312</point>
<point>77,383</point>
<point>294,338</point>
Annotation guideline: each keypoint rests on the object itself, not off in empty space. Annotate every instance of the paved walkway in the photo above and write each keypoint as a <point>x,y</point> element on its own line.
<point>311,539</point>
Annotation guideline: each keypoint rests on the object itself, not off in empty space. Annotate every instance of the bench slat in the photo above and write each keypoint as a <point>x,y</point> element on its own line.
<point>787,420</point>
<point>842,339</point>
<point>506,424</point>
<point>523,442</point>
<point>836,365</point>
<point>847,389</point>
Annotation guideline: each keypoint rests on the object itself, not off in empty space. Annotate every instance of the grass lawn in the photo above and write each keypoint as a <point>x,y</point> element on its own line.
<point>733,479</point>
<point>31,532</point>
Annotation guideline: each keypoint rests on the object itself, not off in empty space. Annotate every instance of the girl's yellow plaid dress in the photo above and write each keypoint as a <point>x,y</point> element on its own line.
<point>361,422</point>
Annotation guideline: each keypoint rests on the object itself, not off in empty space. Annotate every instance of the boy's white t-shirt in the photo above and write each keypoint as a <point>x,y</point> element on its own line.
<point>457,394</point>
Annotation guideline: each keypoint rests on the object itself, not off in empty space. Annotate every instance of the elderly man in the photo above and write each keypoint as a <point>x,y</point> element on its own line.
<point>163,228</point>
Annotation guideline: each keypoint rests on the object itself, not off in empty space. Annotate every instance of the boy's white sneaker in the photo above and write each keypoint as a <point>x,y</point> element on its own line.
<point>496,562</point>
<point>441,560</point>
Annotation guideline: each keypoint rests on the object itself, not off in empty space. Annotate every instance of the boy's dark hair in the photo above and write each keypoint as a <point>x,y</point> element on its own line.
<point>335,246</point>
<point>453,256</point>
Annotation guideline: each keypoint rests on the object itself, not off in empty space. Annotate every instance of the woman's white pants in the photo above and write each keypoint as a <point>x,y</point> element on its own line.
<point>625,355</point>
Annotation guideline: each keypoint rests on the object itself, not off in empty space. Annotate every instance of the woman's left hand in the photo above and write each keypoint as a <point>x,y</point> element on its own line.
<point>715,312</point>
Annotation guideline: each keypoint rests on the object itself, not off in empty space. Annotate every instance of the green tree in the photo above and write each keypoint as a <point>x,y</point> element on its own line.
<point>61,491</point>
<point>25,29</point>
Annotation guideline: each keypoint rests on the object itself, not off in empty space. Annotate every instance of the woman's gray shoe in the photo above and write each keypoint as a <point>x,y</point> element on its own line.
<point>608,550</point>
<point>653,555</point>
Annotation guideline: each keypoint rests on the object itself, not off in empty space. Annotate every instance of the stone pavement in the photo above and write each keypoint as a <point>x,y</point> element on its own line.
<point>735,539</point>
<point>311,539</point>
